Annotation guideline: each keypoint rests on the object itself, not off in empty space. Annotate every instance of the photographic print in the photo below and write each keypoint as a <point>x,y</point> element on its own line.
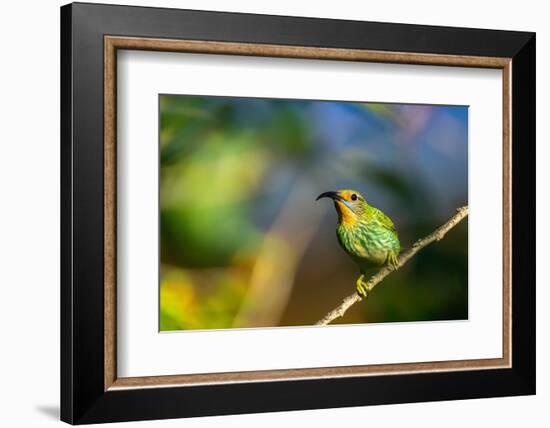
<point>272,211</point>
<point>300,203</point>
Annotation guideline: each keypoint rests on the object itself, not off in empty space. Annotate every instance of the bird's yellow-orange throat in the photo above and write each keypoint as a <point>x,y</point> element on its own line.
<point>346,216</point>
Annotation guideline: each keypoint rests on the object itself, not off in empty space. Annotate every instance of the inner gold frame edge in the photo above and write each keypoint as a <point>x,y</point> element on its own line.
<point>112,43</point>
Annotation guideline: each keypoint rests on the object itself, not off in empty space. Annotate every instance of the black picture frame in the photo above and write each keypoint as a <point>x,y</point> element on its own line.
<point>83,396</point>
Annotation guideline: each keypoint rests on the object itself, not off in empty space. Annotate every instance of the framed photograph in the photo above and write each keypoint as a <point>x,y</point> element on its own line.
<point>265,213</point>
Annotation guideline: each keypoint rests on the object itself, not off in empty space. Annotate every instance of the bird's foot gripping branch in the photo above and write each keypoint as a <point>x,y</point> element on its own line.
<point>403,258</point>
<point>363,287</point>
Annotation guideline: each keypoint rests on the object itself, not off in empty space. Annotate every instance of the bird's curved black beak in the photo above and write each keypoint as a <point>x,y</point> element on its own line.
<point>331,195</point>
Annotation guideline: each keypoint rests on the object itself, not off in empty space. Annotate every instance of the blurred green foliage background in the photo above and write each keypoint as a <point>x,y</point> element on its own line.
<point>245,244</point>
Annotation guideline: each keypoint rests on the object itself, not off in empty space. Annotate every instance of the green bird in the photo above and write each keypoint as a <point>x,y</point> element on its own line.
<point>364,232</point>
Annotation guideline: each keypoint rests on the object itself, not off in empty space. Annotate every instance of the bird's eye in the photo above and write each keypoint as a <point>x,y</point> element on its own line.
<point>354,197</point>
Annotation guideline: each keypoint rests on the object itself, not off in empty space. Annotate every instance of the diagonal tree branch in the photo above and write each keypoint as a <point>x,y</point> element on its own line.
<point>403,258</point>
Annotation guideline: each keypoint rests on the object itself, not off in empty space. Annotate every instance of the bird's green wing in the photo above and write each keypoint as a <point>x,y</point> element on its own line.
<point>385,221</point>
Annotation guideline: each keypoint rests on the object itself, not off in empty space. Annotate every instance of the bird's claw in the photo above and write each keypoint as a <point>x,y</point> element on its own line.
<point>362,288</point>
<point>392,263</point>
